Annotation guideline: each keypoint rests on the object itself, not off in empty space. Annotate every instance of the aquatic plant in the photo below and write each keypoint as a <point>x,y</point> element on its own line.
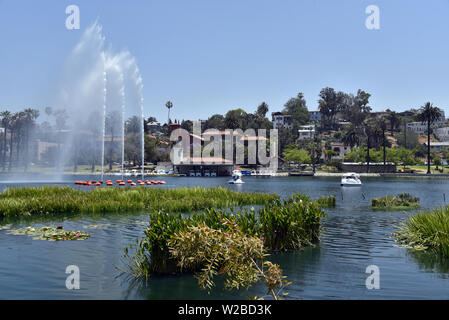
<point>403,201</point>
<point>57,200</point>
<point>327,201</point>
<point>227,251</point>
<point>323,201</point>
<point>426,231</point>
<point>282,225</point>
<point>291,224</point>
<point>50,233</point>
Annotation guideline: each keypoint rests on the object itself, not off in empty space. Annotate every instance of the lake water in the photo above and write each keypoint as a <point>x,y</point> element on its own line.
<point>353,238</point>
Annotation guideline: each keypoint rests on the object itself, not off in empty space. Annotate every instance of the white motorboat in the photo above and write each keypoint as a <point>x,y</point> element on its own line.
<point>351,179</point>
<point>236,177</point>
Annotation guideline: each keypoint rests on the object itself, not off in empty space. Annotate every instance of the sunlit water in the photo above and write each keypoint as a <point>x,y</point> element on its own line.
<point>353,238</point>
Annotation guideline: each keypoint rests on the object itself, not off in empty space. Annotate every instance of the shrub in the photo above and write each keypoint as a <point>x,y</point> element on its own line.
<point>283,225</point>
<point>426,231</point>
<point>403,201</point>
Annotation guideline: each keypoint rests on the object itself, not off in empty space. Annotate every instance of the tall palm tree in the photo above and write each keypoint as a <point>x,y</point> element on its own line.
<point>14,131</point>
<point>29,116</point>
<point>169,105</point>
<point>371,131</point>
<point>430,114</point>
<point>394,120</point>
<point>382,126</point>
<point>6,122</point>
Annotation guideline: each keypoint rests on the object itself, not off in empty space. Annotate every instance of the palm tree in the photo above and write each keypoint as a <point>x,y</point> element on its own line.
<point>14,128</point>
<point>29,116</point>
<point>169,105</point>
<point>382,126</point>
<point>370,128</point>
<point>6,122</point>
<point>351,137</point>
<point>394,120</point>
<point>430,114</point>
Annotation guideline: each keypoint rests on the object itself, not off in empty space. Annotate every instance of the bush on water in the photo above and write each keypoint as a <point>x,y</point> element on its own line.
<point>282,225</point>
<point>403,201</point>
<point>426,231</point>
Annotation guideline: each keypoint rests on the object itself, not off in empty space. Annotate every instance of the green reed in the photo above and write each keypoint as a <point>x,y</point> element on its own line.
<point>57,200</point>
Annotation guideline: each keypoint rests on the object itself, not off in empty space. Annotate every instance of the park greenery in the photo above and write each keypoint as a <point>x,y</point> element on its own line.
<point>403,201</point>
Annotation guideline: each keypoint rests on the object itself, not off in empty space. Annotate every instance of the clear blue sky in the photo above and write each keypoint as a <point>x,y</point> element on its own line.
<point>209,56</point>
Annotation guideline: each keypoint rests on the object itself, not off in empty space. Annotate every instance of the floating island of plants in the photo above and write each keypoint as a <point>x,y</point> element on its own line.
<point>403,201</point>
<point>49,200</point>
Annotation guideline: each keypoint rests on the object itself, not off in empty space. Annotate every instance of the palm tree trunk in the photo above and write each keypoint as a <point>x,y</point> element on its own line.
<point>10,149</point>
<point>405,135</point>
<point>4,150</point>
<point>27,146</point>
<point>367,156</point>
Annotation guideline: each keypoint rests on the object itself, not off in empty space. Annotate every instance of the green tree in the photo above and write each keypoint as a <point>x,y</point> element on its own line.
<point>6,123</point>
<point>406,157</point>
<point>429,114</point>
<point>297,109</point>
<point>297,156</point>
<point>217,121</point>
<point>355,109</point>
<point>329,104</point>
<point>236,119</point>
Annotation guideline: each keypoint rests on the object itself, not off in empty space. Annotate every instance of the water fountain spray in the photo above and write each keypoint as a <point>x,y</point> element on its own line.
<point>122,92</point>
<point>104,114</point>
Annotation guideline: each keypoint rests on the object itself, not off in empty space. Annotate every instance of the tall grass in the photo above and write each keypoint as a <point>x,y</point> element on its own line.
<point>57,200</point>
<point>426,231</point>
<point>283,225</point>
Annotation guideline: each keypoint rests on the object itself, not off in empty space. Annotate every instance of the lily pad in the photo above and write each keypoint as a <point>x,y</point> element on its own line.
<point>51,233</point>
<point>5,227</point>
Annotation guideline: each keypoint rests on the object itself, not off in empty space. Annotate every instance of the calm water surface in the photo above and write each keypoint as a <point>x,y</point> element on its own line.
<point>354,237</point>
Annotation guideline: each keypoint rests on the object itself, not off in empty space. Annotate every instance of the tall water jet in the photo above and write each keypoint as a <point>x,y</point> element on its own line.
<point>104,114</point>
<point>122,93</point>
<point>98,84</point>
<point>139,84</point>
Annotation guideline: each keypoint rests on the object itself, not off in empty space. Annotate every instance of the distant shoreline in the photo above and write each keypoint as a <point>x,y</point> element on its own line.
<point>279,174</point>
